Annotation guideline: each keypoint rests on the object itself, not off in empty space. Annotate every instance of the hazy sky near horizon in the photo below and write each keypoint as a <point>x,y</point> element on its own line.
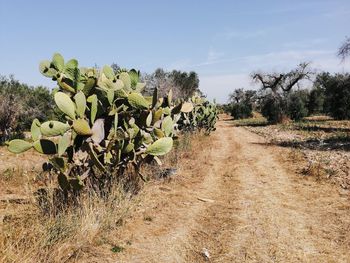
<point>222,40</point>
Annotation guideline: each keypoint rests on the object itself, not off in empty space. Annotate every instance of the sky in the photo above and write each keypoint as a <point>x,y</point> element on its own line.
<point>223,41</point>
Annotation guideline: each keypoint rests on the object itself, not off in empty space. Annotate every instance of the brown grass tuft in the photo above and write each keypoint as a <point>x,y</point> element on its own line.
<point>34,237</point>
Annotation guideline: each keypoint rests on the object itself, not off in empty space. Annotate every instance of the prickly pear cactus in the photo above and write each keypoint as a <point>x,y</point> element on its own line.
<point>109,123</point>
<point>198,114</point>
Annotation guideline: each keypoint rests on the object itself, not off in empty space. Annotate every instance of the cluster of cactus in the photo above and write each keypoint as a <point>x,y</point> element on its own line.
<point>203,115</point>
<point>108,124</point>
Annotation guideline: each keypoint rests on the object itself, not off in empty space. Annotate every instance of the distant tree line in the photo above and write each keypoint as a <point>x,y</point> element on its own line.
<point>183,84</point>
<point>281,97</point>
<point>328,95</point>
<point>20,104</point>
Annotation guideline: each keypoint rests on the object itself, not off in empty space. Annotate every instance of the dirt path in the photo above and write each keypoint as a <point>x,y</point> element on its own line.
<point>261,210</point>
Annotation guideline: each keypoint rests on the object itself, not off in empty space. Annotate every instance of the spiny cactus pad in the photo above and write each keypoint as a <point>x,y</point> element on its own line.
<point>65,104</point>
<point>160,147</point>
<point>35,129</point>
<point>137,101</point>
<point>53,128</point>
<point>19,146</point>
<point>80,102</point>
<point>63,143</point>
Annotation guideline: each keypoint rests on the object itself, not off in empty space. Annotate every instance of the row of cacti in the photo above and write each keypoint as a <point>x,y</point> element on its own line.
<point>109,123</point>
<point>203,115</point>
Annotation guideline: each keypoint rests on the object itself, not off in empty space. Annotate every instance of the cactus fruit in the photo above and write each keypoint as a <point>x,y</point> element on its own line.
<point>159,133</point>
<point>81,127</point>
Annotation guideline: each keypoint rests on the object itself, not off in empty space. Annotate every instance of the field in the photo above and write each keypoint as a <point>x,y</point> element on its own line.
<point>319,142</point>
<point>237,195</point>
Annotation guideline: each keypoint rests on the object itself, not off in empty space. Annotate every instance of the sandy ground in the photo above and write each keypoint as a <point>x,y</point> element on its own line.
<point>28,161</point>
<point>238,201</point>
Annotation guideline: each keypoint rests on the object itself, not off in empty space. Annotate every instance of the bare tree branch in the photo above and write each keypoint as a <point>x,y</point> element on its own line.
<point>269,81</point>
<point>296,75</point>
<point>285,81</point>
<point>344,49</point>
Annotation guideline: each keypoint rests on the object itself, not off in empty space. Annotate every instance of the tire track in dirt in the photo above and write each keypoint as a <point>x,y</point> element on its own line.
<point>262,212</point>
<point>166,238</point>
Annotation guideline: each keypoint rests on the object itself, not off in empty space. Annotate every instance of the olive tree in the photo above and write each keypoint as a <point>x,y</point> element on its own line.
<point>276,85</point>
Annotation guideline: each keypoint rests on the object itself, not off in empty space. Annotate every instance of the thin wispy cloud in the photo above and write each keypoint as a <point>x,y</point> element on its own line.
<point>233,34</point>
<point>270,59</point>
<point>249,34</point>
<point>285,58</point>
<point>291,8</point>
<point>307,43</point>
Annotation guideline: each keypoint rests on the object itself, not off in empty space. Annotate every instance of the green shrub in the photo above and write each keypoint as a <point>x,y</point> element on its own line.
<point>241,110</point>
<point>19,104</point>
<point>242,103</point>
<point>337,95</point>
<point>272,108</point>
<point>316,100</point>
<point>297,105</point>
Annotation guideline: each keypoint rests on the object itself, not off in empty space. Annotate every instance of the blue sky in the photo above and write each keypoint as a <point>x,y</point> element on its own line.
<point>223,41</point>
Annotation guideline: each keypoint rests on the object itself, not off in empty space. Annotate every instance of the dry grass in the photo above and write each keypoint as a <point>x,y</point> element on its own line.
<point>23,161</point>
<point>323,144</point>
<point>255,121</point>
<point>35,237</point>
<point>318,118</point>
<point>81,233</point>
